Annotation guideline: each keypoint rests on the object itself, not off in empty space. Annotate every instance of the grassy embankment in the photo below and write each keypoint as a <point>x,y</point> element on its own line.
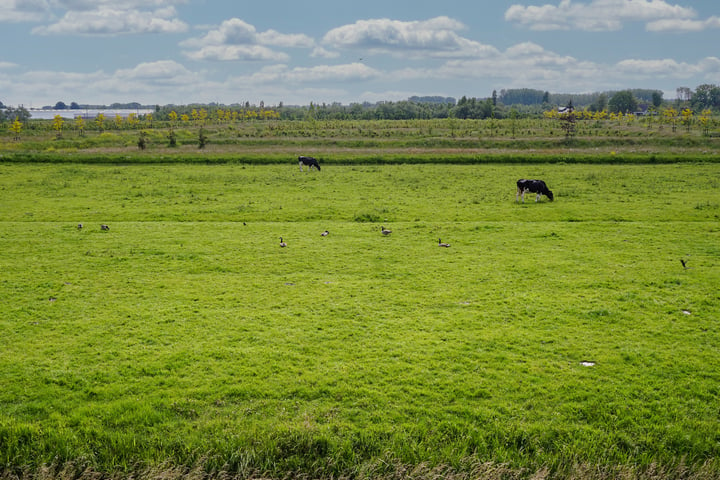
<point>185,338</point>
<point>371,142</point>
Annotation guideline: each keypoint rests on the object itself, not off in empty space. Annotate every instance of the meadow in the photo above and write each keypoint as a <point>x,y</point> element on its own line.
<point>556,339</point>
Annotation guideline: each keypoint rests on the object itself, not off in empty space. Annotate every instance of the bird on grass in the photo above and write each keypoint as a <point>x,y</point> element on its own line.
<point>79,227</point>
<point>282,244</point>
<point>104,227</point>
<point>684,264</point>
<point>325,233</point>
<point>384,231</point>
<point>441,244</point>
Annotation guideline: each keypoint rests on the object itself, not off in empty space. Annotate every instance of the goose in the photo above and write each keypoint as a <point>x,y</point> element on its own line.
<point>385,232</point>
<point>441,244</point>
<point>325,233</point>
<point>282,244</point>
<point>104,227</point>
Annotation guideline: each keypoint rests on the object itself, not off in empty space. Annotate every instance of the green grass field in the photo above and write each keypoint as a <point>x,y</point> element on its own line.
<point>184,341</point>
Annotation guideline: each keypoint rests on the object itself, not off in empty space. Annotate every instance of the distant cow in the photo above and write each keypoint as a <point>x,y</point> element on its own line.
<point>310,162</point>
<point>532,186</point>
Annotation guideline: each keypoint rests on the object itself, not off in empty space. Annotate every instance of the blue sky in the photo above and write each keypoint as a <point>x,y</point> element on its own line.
<point>295,52</point>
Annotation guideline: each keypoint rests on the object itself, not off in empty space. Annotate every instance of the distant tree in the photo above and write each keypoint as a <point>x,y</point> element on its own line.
<point>16,128</point>
<point>142,140</point>
<point>100,121</point>
<point>58,123</point>
<point>513,121</point>
<point>172,138</point>
<point>706,96</point>
<point>687,118</point>
<point>567,122</point>
<point>60,106</point>
<point>132,120</point>
<point>494,98</point>
<point>657,99</point>
<point>523,96</point>
<point>705,121</point>
<point>74,106</point>
<point>683,93</point>
<point>20,113</point>
<point>202,139</point>
<point>624,102</point>
<point>670,115</point>
<point>600,103</point>
<point>80,125</point>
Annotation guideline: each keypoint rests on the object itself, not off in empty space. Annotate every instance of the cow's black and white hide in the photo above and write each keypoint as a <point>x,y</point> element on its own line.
<point>533,186</point>
<point>309,162</point>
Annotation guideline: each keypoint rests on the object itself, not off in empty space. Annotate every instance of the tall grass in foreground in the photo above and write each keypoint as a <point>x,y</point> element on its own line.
<point>557,339</point>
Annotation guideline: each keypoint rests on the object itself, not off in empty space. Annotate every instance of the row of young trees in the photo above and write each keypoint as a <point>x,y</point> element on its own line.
<point>669,116</point>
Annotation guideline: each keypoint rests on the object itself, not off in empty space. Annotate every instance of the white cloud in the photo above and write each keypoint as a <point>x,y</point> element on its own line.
<point>153,82</point>
<point>163,71</point>
<point>668,68</point>
<point>124,4</point>
<point>597,15</point>
<point>436,37</point>
<point>236,39</point>
<point>323,53</point>
<point>23,11</point>
<point>236,52</point>
<point>350,72</point>
<point>6,65</point>
<point>113,21</point>
<point>682,25</point>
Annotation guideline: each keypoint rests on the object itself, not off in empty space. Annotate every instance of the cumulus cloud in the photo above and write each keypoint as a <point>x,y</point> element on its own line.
<point>226,53</point>
<point>236,39</point>
<point>150,82</point>
<point>125,4</point>
<point>436,37</point>
<point>527,63</point>
<point>596,15</point>
<point>668,68</point>
<point>113,21</point>
<point>321,52</point>
<point>321,73</point>
<point>683,25</point>
<point>162,71</point>
<point>23,11</point>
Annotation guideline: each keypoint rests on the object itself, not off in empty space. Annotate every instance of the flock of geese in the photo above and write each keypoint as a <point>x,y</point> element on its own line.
<point>383,230</point>
<point>283,244</point>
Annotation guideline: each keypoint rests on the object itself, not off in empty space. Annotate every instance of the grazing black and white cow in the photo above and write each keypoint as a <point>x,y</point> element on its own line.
<point>310,162</point>
<point>532,186</point>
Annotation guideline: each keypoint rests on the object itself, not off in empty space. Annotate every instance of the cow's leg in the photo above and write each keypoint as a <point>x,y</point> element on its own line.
<point>300,164</point>
<point>517,195</point>
<point>537,197</point>
<point>522,197</point>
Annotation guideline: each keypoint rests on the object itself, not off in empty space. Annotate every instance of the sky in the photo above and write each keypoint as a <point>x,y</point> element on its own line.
<point>325,51</point>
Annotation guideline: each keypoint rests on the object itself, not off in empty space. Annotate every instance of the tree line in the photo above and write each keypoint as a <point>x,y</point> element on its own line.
<point>508,103</point>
